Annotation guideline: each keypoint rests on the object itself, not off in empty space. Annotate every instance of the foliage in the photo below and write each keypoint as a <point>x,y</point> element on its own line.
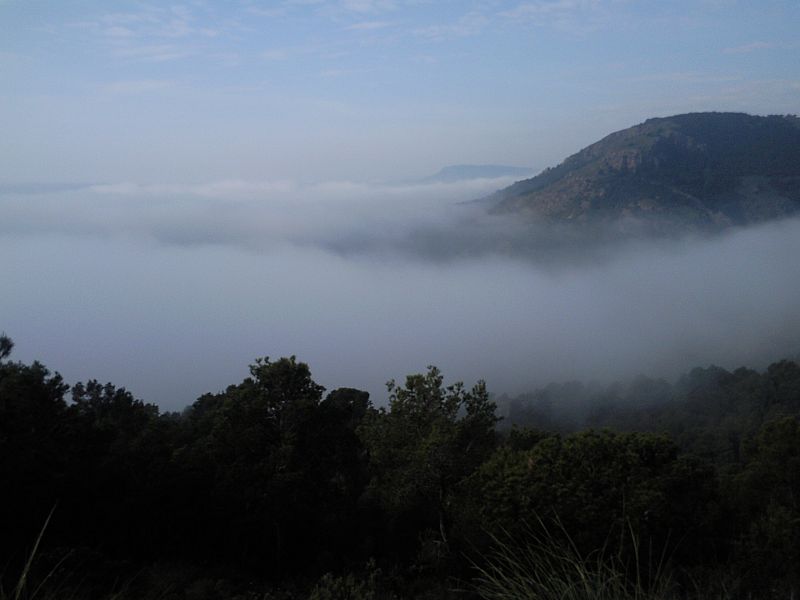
<point>6,345</point>
<point>371,585</point>
<point>769,493</point>
<point>272,489</point>
<point>33,438</point>
<point>709,412</point>
<point>596,485</point>
<point>424,446</point>
<point>278,464</point>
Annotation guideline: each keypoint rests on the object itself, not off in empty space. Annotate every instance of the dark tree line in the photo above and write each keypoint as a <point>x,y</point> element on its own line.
<point>273,483</point>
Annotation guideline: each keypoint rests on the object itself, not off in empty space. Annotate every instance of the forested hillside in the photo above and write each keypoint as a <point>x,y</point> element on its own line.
<point>701,171</point>
<point>276,489</point>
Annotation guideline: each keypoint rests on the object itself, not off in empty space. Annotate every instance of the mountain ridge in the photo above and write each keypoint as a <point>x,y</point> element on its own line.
<point>701,170</point>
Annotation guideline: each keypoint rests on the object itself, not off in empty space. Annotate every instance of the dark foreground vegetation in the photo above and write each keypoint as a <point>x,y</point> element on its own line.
<point>273,489</point>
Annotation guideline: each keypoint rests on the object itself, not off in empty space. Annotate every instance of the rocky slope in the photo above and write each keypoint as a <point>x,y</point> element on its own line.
<point>698,170</point>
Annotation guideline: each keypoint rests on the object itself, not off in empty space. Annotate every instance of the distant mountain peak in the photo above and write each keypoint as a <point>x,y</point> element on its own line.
<point>696,170</point>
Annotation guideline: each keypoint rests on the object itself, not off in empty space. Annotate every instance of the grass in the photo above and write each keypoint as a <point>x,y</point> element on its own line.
<point>20,591</point>
<point>549,566</point>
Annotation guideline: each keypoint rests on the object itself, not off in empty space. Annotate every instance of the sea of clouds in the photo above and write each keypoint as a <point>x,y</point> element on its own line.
<point>171,290</point>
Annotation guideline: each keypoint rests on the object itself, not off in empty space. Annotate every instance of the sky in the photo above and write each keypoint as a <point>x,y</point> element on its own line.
<point>187,187</point>
<point>97,91</point>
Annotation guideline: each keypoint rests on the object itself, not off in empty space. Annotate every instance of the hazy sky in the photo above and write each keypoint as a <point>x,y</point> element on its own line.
<point>365,89</point>
<point>186,187</point>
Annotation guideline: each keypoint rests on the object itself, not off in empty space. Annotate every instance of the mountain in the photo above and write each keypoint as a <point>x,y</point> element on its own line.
<point>455,173</point>
<point>698,170</point>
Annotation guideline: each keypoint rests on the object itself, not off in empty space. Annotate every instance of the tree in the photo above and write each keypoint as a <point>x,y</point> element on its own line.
<point>119,452</point>
<point>250,441</point>
<point>6,345</point>
<point>425,445</point>
<point>597,485</point>
<point>32,458</point>
<point>769,494</point>
<point>284,468</point>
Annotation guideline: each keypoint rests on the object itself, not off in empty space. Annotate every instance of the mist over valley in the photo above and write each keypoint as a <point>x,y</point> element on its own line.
<point>172,289</point>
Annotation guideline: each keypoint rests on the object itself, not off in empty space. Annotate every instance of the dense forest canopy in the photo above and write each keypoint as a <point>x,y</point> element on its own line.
<point>275,485</point>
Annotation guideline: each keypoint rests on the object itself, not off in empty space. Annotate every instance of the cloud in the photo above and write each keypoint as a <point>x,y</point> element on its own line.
<point>14,59</point>
<point>135,87</point>
<point>367,6</point>
<point>271,13</point>
<point>748,48</point>
<point>254,215</point>
<point>467,25</point>
<point>572,16</point>
<point>686,77</point>
<point>425,221</point>
<point>174,288</point>
<point>152,22</point>
<point>154,52</point>
<point>548,9</point>
<point>117,31</point>
<point>275,54</point>
<point>153,33</point>
<point>368,26</point>
<point>772,96</point>
<point>757,46</point>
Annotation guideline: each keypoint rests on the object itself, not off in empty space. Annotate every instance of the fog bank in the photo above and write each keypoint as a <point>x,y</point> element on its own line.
<point>171,291</point>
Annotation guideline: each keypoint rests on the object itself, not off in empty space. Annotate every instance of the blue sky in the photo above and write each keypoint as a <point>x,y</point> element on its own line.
<point>365,89</point>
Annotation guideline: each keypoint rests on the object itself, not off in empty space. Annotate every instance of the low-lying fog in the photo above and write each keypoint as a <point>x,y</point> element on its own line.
<point>172,290</point>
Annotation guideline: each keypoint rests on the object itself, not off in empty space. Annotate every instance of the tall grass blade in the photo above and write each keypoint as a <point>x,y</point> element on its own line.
<point>23,578</point>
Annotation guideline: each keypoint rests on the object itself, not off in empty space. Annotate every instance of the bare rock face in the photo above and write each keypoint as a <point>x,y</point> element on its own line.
<point>692,171</point>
